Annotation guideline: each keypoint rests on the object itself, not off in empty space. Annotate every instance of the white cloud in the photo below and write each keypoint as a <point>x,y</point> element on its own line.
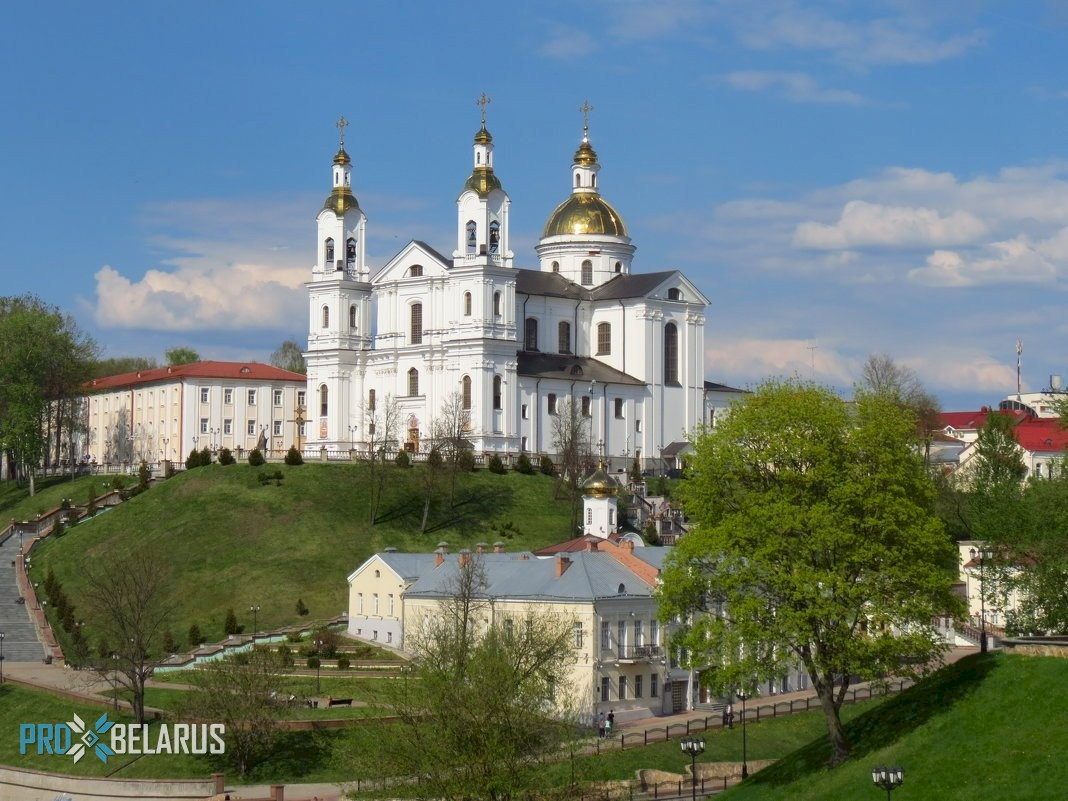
<point>865,224</point>
<point>777,357</point>
<point>1014,261</point>
<point>567,43</point>
<point>799,87</point>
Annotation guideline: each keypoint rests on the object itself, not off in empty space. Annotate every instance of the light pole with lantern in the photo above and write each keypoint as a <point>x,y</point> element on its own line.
<point>888,778</point>
<point>318,662</point>
<point>694,747</point>
<point>254,609</point>
<point>986,553</point>
<point>2,635</point>
<point>742,696</point>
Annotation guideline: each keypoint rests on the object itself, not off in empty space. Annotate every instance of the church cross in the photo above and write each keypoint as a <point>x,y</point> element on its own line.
<point>483,101</point>
<point>585,108</point>
<point>341,125</point>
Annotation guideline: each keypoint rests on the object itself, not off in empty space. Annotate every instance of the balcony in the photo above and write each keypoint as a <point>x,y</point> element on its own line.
<point>639,653</point>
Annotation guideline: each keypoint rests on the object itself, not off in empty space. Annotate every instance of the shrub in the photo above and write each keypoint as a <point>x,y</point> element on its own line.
<point>293,456</point>
<point>230,625</point>
<point>170,645</point>
<point>195,638</point>
<point>635,471</point>
<point>495,465</point>
<point>226,456</point>
<point>192,460</point>
<point>255,458</point>
<point>343,663</point>
<point>466,460</point>
<point>142,475</point>
<point>546,466</point>
<point>313,662</point>
<point>434,460</point>
<point>58,529</point>
<point>302,610</point>
<point>285,655</point>
<point>117,483</point>
<point>523,465</point>
<point>295,636</point>
<point>205,456</point>
<point>402,459</point>
<point>329,639</point>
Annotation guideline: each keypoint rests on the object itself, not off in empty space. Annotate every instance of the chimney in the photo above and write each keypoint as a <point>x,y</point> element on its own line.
<point>498,547</point>
<point>465,557</point>
<point>524,557</point>
<point>481,547</point>
<point>439,558</point>
<point>629,546</point>
<point>562,564</point>
<point>591,546</point>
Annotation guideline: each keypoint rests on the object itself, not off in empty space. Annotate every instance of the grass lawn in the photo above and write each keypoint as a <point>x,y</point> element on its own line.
<point>228,542</point>
<point>16,504</point>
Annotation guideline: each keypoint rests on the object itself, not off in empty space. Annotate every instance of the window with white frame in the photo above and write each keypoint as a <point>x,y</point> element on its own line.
<point>639,632</point>
<point>654,685</point>
<point>228,426</point>
<point>576,631</point>
<point>391,604</point>
<point>277,428</point>
<point>637,686</point>
<point>278,397</point>
<point>228,396</point>
<point>654,632</point>
<point>252,428</point>
<point>252,397</point>
<point>205,394</point>
<point>621,633</point>
<point>359,603</point>
<point>606,636</point>
<point>622,688</point>
<point>374,598</point>
<point>301,397</point>
<point>203,425</point>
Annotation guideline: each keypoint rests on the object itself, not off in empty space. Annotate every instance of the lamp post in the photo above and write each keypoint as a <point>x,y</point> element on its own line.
<point>254,609</point>
<point>318,662</point>
<point>2,635</point>
<point>694,747</point>
<point>115,678</point>
<point>742,696</point>
<point>985,553</point>
<point>887,778</point>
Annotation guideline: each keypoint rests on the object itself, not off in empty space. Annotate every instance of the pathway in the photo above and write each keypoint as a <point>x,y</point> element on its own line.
<point>20,638</point>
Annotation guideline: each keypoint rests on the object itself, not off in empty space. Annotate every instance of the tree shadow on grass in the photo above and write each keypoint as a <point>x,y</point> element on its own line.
<point>296,755</point>
<point>890,721</point>
<point>474,506</point>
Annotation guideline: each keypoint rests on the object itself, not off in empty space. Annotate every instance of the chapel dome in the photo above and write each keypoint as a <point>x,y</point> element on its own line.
<point>340,201</point>
<point>600,484</point>
<point>586,213</point>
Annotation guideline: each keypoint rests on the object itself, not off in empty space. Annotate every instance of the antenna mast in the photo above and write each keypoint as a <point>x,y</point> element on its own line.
<point>1019,353</point>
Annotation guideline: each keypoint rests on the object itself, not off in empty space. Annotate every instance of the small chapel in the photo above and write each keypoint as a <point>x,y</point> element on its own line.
<point>579,331</point>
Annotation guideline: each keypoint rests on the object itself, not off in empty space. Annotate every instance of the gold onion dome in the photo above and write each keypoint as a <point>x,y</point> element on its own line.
<point>340,201</point>
<point>342,157</point>
<point>584,214</point>
<point>482,181</point>
<point>600,484</point>
<point>585,155</point>
<point>483,137</point>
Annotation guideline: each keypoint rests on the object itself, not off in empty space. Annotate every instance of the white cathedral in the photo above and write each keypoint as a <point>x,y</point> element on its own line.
<point>626,348</point>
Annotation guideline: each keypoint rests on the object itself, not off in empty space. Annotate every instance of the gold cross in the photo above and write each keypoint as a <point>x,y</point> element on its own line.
<point>586,108</point>
<point>341,124</point>
<point>483,101</point>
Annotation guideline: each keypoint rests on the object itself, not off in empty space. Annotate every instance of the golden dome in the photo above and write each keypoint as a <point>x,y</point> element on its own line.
<point>482,181</point>
<point>341,200</point>
<point>585,155</point>
<point>483,137</point>
<point>585,213</point>
<point>600,485</point>
<point>342,157</point>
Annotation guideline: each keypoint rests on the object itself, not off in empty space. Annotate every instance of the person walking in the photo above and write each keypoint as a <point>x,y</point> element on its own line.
<point>610,722</point>
<point>600,725</point>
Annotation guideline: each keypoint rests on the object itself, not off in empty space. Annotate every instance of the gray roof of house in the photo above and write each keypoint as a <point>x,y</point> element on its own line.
<point>591,575</point>
<point>569,367</point>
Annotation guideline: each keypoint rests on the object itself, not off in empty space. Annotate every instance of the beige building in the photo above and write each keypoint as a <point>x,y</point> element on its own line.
<point>605,590</point>
<point>164,413</point>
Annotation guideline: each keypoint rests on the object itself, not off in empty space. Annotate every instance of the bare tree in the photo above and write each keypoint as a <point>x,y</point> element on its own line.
<point>451,432</point>
<point>383,418</point>
<point>125,601</point>
<point>881,375</point>
<point>571,439</point>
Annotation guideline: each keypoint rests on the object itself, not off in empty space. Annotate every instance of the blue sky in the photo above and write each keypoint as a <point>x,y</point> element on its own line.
<point>839,178</point>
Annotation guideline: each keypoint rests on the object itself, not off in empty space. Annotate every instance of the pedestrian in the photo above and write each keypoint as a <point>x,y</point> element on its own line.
<point>726,716</point>
<point>730,716</point>
<point>600,725</point>
<point>611,722</point>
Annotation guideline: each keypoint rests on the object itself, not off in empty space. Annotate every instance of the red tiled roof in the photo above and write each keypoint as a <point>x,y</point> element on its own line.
<point>1042,435</point>
<point>246,371</point>
<point>963,420</point>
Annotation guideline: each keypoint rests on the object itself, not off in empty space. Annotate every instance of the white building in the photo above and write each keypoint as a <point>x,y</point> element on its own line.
<point>164,413</point>
<point>627,348</point>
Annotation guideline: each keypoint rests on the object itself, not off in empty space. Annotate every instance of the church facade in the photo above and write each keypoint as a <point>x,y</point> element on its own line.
<point>512,347</point>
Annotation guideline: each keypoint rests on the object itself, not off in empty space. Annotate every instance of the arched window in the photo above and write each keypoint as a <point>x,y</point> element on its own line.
<point>619,267</point>
<point>593,180</point>
<point>556,266</point>
<point>587,272</point>
<point>352,317</point>
<point>324,401</point>
<point>413,382</point>
<point>496,304</point>
<point>467,304</point>
<point>330,251</point>
<point>563,331</point>
<point>415,271</point>
<point>578,180</point>
<point>497,387</point>
<point>350,253</point>
<point>674,294</point>
<point>531,338</point>
<point>326,316</point>
<point>472,238</point>
<point>671,354</point>
<point>495,236</point>
<point>604,339</point>
<point>465,390</point>
<point>416,333</point>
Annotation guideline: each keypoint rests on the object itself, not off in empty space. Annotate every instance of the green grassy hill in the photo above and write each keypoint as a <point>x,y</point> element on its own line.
<point>229,541</point>
<point>989,727</point>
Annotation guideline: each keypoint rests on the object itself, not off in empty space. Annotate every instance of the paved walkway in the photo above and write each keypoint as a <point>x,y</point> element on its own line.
<point>20,638</point>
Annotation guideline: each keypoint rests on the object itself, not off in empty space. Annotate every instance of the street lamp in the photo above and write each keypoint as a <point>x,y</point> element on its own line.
<point>2,635</point>
<point>985,554</point>
<point>318,662</point>
<point>254,609</point>
<point>887,778</point>
<point>115,678</point>
<point>742,696</point>
<point>694,747</point>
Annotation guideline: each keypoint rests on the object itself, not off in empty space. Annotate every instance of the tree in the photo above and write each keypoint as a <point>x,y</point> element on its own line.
<point>881,375</point>
<point>125,599</point>
<point>288,356</point>
<point>997,458</point>
<point>382,418</point>
<point>451,432</point>
<point>571,439</point>
<point>120,365</point>
<point>244,692</point>
<point>814,543</point>
<point>181,355</point>
<point>484,706</point>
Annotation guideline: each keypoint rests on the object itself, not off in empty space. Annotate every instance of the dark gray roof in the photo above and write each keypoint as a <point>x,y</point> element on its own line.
<point>433,252</point>
<point>568,367</point>
<point>536,282</point>
<point>631,286</point>
<point>554,285</point>
<point>712,386</point>
<point>674,448</point>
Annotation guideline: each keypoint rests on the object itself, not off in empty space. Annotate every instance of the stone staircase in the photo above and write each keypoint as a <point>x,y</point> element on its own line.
<point>20,639</point>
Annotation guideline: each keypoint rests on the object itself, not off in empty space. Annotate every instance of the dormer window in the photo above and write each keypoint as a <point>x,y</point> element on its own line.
<point>674,294</point>
<point>415,271</point>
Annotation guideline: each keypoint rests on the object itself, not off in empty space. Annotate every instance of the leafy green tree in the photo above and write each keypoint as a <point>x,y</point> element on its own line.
<point>230,624</point>
<point>289,356</point>
<point>120,365</point>
<point>181,355</point>
<point>998,459</point>
<point>814,544</point>
<point>881,375</point>
<point>195,637</point>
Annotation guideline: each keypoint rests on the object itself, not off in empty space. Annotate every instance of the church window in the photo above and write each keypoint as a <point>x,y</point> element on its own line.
<point>531,338</point>
<point>465,384</point>
<point>350,253</point>
<point>671,354</point>
<point>593,180</point>
<point>324,401</point>
<point>495,236</point>
<point>413,382</point>
<point>619,408</point>
<point>674,294</point>
<point>330,251</point>
<point>497,386</point>
<point>637,426</point>
<point>326,316</point>
<point>416,332</point>
<point>472,240</point>
<point>619,268</point>
<point>370,400</point>
<point>564,337</point>
<point>552,403</point>
<point>467,304</point>
<point>523,445</point>
<point>415,271</point>
<point>556,266</point>
<point>585,405</point>
<point>587,272</point>
<point>496,304</point>
<point>604,339</point>
<point>352,318</point>
<point>578,180</point>
<point>523,412</point>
